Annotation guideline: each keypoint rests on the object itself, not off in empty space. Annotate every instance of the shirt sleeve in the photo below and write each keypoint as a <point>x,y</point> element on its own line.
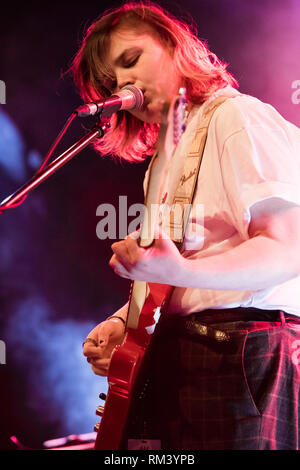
<point>259,163</point>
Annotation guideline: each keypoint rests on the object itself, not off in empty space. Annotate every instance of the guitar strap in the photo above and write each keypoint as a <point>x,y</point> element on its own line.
<point>160,294</point>
<point>186,188</point>
<point>185,192</point>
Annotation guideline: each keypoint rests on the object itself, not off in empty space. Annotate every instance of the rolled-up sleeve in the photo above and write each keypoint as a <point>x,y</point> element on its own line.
<point>258,163</point>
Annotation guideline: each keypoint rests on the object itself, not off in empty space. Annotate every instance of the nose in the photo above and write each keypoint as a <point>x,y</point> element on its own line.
<point>124,78</point>
<point>124,84</point>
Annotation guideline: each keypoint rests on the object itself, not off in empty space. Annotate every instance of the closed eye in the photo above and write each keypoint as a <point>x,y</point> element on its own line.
<point>128,58</point>
<point>131,63</point>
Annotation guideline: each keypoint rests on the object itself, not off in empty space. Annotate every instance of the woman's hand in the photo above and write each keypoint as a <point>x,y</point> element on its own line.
<point>160,263</point>
<point>105,337</point>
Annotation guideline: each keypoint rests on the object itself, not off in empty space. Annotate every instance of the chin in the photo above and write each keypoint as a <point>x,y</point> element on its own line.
<point>150,117</point>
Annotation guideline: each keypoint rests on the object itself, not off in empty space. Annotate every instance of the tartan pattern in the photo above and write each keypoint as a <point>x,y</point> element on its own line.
<point>239,395</point>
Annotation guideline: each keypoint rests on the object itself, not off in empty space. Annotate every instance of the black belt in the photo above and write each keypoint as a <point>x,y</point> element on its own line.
<point>199,323</point>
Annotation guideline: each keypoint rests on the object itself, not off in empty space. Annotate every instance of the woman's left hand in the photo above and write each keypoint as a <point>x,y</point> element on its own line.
<point>160,263</point>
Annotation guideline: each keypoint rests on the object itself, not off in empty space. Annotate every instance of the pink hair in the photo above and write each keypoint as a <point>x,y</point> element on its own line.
<point>203,73</point>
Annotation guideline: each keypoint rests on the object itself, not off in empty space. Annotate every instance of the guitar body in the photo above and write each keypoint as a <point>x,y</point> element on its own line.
<point>124,366</point>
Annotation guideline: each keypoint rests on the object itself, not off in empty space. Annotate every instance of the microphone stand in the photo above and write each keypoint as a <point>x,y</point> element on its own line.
<point>97,132</point>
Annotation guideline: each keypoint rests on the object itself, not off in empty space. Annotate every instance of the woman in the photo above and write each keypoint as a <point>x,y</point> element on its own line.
<point>242,277</point>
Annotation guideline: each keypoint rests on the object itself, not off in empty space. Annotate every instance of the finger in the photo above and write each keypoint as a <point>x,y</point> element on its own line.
<point>90,350</point>
<point>98,354</point>
<point>99,363</point>
<point>91,341</point>
<point>120,250</point>
<point>100,367</point>
<point>118,267</point>
<point>135,252</point>
<point>135,235</point>
<point>127,252</point>
<point>114,262</point>
<point>90,359</point>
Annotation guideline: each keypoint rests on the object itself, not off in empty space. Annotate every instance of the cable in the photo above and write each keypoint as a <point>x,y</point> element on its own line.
<point>57,140</point>
<point>50,152</point>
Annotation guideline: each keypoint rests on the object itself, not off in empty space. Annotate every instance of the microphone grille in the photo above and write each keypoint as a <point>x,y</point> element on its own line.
<point>138,95</point>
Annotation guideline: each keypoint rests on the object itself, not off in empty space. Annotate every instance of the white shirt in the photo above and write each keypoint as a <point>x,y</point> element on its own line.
<point>252,153</point>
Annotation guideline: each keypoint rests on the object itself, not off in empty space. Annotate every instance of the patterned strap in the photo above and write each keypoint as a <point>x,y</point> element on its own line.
<point>185,191</point>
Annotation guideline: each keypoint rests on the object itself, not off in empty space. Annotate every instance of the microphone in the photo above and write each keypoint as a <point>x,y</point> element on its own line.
<point>129,97</point>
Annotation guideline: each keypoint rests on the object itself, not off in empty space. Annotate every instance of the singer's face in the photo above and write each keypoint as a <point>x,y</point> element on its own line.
<point>138,58</point>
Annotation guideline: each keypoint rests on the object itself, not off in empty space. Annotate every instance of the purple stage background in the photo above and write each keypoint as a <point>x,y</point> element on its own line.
<point>55,282</point>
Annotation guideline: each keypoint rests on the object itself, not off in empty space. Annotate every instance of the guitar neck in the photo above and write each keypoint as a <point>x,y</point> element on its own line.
<point>169,135</point>
<point>158,169</point>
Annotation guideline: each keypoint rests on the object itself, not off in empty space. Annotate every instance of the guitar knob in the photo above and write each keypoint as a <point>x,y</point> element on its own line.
<point>99,410</point>
<point>96,427</point>
<point>102,396</point>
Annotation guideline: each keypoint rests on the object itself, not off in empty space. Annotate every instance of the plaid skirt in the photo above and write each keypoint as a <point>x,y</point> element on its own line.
<point>239,391</point>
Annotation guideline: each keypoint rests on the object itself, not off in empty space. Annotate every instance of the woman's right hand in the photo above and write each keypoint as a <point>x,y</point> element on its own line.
<point>106,335</point>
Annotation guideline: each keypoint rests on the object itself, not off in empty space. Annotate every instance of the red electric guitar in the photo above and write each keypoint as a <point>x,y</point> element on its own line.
<point>144,299</point>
